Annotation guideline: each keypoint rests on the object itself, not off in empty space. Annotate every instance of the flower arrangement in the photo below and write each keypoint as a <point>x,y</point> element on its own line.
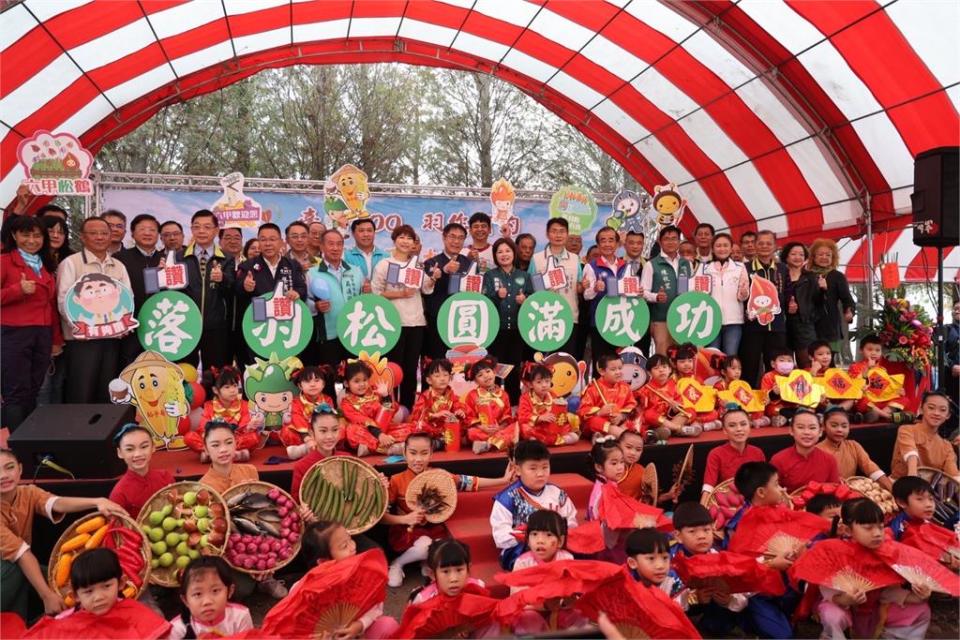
<point>906,332</point>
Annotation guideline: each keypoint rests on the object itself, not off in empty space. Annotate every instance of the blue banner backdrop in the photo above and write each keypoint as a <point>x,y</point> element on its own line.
<point>426,214</point>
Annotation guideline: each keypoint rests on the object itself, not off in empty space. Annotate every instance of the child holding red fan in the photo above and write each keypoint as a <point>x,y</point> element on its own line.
<point>913,525</point>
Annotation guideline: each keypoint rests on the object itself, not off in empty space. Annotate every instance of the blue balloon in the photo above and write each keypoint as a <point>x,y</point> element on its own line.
<point>319,288</point>
<point>573,403</point>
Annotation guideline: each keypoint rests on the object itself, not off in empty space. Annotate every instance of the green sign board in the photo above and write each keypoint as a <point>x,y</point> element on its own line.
<point>622,320</point>
<point>170,324</point>
<point>694,317</point>
<point>468,319</point>
<point>275,324</point>
<point>368,323</point>
<point>546,321</point>
<point>576,205</point>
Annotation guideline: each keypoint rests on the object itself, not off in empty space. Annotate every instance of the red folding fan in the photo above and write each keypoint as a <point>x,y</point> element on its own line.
<point>932,539</point>
<point>772,531</point>
<point>844,565</point>
<point>330,596</point>
<point>547,581</point>
<point>620,511</point>
<point>638,611</point>
<point>732,572</point>
<point>127,619</point>
<point>586,538</point>
<point>577,575</point>
<point>918,568</point>
<point>445,617</point>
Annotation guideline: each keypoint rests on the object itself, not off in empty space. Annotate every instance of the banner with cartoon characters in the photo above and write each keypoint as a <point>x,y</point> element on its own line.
<point>342,203</point>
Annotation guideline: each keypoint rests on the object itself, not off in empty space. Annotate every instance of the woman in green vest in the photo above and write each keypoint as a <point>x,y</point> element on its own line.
<point>507,286</point>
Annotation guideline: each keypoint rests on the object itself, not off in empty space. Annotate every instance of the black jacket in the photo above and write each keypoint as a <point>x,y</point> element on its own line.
<point>433,302</point>
<point>213,298</point>
<point>135,262</point>
<point>836,296</point>
<point>809,297</point>
<point>287,270</point>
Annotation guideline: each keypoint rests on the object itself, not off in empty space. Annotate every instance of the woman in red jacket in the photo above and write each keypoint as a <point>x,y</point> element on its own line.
<point>30,324</point>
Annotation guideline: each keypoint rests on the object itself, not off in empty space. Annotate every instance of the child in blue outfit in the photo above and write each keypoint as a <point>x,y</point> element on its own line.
<point>531,492</point>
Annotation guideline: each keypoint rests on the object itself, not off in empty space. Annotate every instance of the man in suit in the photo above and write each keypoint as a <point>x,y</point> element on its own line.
<point>260,275</point>
<point>210,273</point>
<point>142,255</point>
<point>449,261</point>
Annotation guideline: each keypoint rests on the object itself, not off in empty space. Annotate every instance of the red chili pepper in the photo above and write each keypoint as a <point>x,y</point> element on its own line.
<point>828,487</point>
<point>134,577</point>
<point>130,557</point>
<point>814,486</point>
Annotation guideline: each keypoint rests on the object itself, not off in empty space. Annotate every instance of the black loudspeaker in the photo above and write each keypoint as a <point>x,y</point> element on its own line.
<point>936,198</point>
<point>77,437</point>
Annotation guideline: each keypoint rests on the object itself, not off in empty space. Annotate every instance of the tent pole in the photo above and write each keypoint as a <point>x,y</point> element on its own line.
<point>868,215</point>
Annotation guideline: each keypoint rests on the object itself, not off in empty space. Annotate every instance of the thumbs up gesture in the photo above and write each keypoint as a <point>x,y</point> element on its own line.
<point>792,307</point>
<point>27,286</point>
<point>216,272</point>
<point>822,282</point>
<point>662,295</point>
<point>452,267</point>
<point>248,283</point>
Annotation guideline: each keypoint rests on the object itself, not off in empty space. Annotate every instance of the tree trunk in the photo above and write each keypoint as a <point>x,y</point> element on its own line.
<point>484,129</point>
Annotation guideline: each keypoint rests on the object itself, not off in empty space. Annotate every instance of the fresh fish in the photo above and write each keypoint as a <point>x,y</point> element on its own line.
<point>246,526</point>
<point>235,500</point>
<point>269,515</point>
<point>268,528</point>
<point>256,501</point>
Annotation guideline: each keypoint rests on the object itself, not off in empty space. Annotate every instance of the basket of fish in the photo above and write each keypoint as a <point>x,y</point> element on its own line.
<point>266,527</point>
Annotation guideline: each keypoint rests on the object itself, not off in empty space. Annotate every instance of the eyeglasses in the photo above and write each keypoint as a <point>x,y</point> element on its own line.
<point>116,225</point>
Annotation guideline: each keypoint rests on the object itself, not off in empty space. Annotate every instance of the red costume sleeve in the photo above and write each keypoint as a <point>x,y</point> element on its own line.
<point>207,411</point>
<point>506,415</point>
<point>244,413</point>
<point>470,408</point>
<point>301,421</point>
<point>711,475</point>
<point>356,415</point>
<point>419,412</point>
<point>590,402</point>
<point>525,411</point>
<point>858,369</point>
<point>628,403</point>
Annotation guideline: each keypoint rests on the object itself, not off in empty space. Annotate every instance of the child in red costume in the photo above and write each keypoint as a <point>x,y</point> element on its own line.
<point>781,364</point>
<point>684,358</point>
<point>227,405</point>
<point>369,414</point>
<point>311,381</point>
<point>871,348</point>
<point>660,405</point>
<point>438,405</point>
<point>489,415</point>
<point>542,416</point>
<point>607,405</point>
<point>731,368</point>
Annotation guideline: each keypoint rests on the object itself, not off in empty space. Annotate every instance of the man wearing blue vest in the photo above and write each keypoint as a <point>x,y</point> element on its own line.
<point>606,265</point>
<point>338,282</point>
<point>664,277</point>
<point>365,256</point>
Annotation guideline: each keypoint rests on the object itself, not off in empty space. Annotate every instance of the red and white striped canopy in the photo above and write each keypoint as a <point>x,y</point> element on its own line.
<point>915,264</point>
<point>768,114</point>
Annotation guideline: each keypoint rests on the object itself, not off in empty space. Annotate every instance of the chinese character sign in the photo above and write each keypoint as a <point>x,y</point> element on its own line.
<point>545,321</point>
<point>468,319</point>
<point>622,321</point>
<point>99,306</point>
<point>275,324</point>
<point>576,205</point>
<point>170,324</point>
<point>368,323</point>
<point>55,164</point>
<point>694,317</point>
<point>234,209</point>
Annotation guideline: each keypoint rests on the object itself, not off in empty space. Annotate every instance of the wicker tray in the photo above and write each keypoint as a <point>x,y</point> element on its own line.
<point>946,493</point>
<point>871,489</point>
<point>257,486</point>
<point>65,591</point>
<point>169,576</point>
<point>324,492</point>
<point>444,484</point>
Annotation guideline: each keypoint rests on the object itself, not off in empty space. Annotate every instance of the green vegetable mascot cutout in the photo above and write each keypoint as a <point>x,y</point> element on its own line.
<point>269,387</point>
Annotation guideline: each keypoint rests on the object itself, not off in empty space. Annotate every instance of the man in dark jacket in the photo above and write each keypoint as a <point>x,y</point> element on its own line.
<point>759,340</point>
<point>449,261</point>
<point>210,273</point>
<point>143,255</point>
<point>260,275</point>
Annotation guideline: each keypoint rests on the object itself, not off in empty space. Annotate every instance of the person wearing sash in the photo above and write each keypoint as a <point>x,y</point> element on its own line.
<point>664,277</point>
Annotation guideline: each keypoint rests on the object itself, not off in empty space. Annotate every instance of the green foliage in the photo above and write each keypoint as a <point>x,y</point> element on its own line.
<point>401,124</point>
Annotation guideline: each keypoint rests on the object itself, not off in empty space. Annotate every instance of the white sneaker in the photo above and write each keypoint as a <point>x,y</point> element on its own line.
<point>395,449</point>
<point>362,450</point>
<point>241,456</point>
<point>713,425</point>
<point>481,446</point>
<point>395,575</point>
<point>297,451</point>
<point>691,430</point>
